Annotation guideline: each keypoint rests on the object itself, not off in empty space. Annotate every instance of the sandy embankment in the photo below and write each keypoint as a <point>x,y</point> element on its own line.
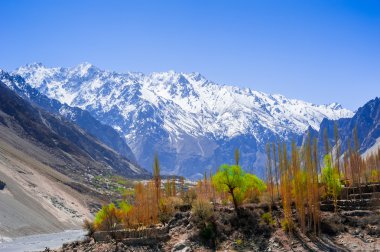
<point>35,199</point>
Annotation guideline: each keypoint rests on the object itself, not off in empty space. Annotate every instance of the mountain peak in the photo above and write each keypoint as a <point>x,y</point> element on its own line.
<point>35,65</point>
<point>180,114</point>
<point>85,65</point>
<point>196,76</point>
<point>335,106</point>
<point>85,68</point>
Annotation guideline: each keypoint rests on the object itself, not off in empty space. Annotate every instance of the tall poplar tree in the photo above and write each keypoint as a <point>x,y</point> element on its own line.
<point>337,148</point>
<point>269,171</point>
<point>316,171</point>
<point>275,168</point>
<point>157,178</point>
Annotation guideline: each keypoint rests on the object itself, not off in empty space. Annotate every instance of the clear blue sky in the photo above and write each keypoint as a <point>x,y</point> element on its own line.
<point>315,50</point>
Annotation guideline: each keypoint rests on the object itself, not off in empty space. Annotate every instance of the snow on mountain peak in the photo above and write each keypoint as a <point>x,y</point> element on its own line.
<point>85,69</point>
<point>183,116</point>
<point>186,101</point>
<point>335,106</point>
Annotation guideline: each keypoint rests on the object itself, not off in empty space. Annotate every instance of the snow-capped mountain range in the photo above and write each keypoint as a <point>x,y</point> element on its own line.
<point>192,123</point>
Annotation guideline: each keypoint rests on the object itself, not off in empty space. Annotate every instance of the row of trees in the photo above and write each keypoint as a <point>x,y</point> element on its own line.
<point>147,203</point>
<point>298,177</point>
<point>154,201</point>
<point>296,180</point>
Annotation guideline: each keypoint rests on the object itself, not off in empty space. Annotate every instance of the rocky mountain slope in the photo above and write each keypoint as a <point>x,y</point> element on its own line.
<point>81,154</point>
<point>367,121</point>
<point>82,118</point>
<point>194,124</point>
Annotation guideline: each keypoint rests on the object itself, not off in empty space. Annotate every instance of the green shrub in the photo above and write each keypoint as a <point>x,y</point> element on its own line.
<point>202,210</point>
<point>239,242</point>
<point>286,226</point>
<point>208,232</point>
<point>110,216</point>
<point>267,218</point>
<point>189,196</point>
<point>330,177</point>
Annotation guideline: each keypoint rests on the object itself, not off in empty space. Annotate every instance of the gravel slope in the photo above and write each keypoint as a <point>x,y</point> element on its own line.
<point>35,199</point>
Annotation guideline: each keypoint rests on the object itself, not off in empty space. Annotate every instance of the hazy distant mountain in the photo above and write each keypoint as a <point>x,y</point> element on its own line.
<point>194,124</point>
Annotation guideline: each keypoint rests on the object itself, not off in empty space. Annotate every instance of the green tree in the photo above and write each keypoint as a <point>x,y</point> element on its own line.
<point>107,218</point>
<point>233,180</point>
<point>330,177</point>
<point>124,209</point>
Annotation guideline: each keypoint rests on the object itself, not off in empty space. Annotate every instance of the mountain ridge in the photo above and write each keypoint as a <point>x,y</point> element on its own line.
<point>82,118</point>
<point>366,120</point>
<point>67,141</point>
<point>182,116</point>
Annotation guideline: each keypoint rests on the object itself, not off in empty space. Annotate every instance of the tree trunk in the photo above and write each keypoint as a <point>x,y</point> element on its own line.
<point>234,201</point>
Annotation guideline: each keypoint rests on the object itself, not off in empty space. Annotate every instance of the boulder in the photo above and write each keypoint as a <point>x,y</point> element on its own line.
<point>181,247</point>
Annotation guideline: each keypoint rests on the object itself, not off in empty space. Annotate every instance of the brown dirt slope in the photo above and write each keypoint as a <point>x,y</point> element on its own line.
<point>35,198</point>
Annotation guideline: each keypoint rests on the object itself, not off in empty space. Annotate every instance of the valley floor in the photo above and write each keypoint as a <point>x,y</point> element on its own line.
<point>40,242</point>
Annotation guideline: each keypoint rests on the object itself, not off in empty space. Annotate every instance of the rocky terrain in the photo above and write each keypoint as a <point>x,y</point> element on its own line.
<point>353,226</point>
<point>346,231</point>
